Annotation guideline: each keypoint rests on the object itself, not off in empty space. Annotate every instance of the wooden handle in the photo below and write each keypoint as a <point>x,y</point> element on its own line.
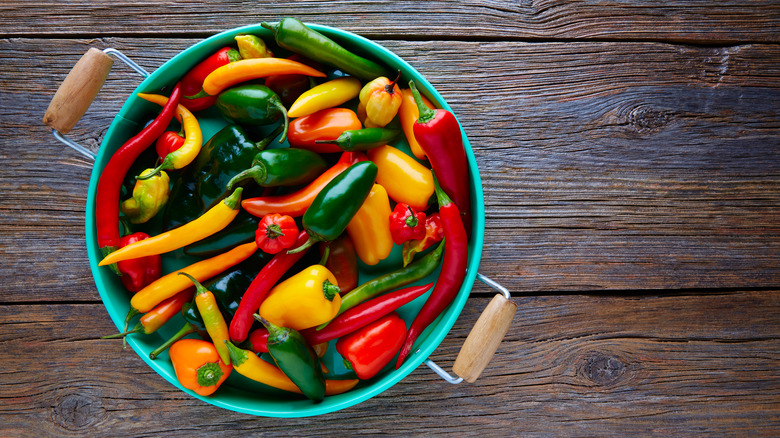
<point>78,90</point>
<point>485,336</point>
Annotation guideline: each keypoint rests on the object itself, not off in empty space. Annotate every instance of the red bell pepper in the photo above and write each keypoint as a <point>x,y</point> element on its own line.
<point>140,272</point>
<point>192,82</point>
<point>276,232</point>
<point>406,224</point>
<point>433,234</point>
<point>370,348</point>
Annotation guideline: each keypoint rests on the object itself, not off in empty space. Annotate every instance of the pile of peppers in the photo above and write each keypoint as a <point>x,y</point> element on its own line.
<point>307,159</point>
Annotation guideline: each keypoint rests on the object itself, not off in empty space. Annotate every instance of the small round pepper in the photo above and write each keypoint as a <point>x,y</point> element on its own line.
<point>406,224</point>
<point>198,366</point>
<point>381,99</point>
<point>168,142</point>
<point>276,232</point>
<point>149,197</point>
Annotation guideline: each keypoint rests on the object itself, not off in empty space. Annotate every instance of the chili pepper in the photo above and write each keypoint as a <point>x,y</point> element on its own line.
<point>149,197</point>
<point>248,69</point>
<point>369,228</point>
<point>406,224</point>
<point>363,139</point>
<point>406,180</point>
<point>289,87</point>
<point>342,262</point>
<point>282,167</point>
<point>326,124</point>
<point>296,204</point>
<point>212,317</point>
<point>168,142</point>
<point>198,365</point>
<point>328,95</point>
<point>438,132</point>
<point>433,233</point>
<point>252,46</point>
<point>408,115</point>
<point>193,139</point>
<point>158,316</point>
<point>209,223</point>
<point>308,298</point>
<point>260,286</point>
<point>295,36</point>
<point>381,98</point>
<point>398,278</point>
<point>296,359</point>
<point>241,230</point>
<point>110,181</point>
<point>275,233</point>
<point>192,82</point>
<point>253,104</point>
<point>351,320</point>
<point>368,349</point>
<point>185,330</point>
<point>139,272</point>
<point>453,270</point>
<point>171,284</point>
<point>249,365</point>
<point>338,202</point>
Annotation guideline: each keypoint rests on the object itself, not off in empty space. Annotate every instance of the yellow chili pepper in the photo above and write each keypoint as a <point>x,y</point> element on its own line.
<point>307,299</point>
<point>409,113</point>
<point>171,284</point>
<point>405,180</point>
<point>193,138</point>
<point>369,229</point>
<point>248,69</point>
<point>328,95</point>
<point>215,219</point>
<point>212,317</point>
<point>249,365</point>
<point>149,197</point>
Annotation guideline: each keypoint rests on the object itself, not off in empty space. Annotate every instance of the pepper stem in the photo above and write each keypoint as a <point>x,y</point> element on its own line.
<point>441,195</point>
<point>163,166</point>
<point>131,313</point>
<point>306,245</point>
<point>411,220</point>
<point>184,331</point>
<point>325,255</point>
<point>426,114</point>
<point>138,327</point>
<point>256,172</point>
<point>262,144</point>
<point>237,355</point>
<point>273,231</point>
<point>390,88</point>
<point>283,110</point>
<point>234,201</point>
<point>198,287</point>
<point>208,374</point>
<point>201,93</point>
<point>274,28</point>
<point>330,290</point>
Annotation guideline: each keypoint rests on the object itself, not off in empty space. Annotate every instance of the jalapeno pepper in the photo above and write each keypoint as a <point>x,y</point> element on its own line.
<point>253,104</point>
<point>282,167</point>
<point>295,36</point>
<point>330,212</point>
<point>363,139</point>
<point>327,124</point>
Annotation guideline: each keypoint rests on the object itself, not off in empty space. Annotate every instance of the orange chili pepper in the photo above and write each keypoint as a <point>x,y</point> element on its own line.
<point>254,68</point>
<point>408,114</point>
<point>327,124</point>
<point>157,317</point>
<point>198,366</point>
<point>296,203</point>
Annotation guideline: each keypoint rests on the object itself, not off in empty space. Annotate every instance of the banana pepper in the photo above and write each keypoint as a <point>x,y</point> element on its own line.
<point>149,197</point>
<point>405,180</point>
<point>307,299</point>
<point>328,95</point>
<point>369,229</point>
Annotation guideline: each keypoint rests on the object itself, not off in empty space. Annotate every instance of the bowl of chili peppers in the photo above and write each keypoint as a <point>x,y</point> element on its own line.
<point>305,230</point>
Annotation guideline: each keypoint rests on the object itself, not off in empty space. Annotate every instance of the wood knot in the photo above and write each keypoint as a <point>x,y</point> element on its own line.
<point>645,119</point>
<point>76,411</point>
<point>603,369</point>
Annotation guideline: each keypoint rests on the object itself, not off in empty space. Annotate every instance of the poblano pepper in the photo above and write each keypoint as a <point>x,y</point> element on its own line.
<point>252,104</point>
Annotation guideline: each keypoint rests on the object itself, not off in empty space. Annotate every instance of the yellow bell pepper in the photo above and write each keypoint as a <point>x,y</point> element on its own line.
<point>307,299</point>
<point>369,229</point>
<point>405,180</point>
<point>328,95</point>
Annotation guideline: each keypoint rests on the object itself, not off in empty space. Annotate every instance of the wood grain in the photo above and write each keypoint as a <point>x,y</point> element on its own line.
<point>573,365</point>
<point>670,20</point>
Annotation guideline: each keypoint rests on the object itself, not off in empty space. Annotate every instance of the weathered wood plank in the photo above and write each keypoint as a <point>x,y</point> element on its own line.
<point>671,20</point>
<point>570,365</point>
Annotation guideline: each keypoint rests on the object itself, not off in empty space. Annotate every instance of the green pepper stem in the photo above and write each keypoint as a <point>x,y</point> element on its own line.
<point>411,220</point>
<point>274,28</point>
<point>201,93</point>
<point>237,355</point>
<point>426,114</point>
<point>138,327</point>
<point>441,195</point>
<point>165,165</point>
<point>198,287</point>
<point>273,231</point>
<point>325,254</point>
<point>209,374</point>
<point>184,331</point>
<point>234,201</point>
<point>278,104</point>
<point>330,290</point>
<point>256,172</point>
<point>262,144</point>
<point>131,313</point>
<point>306,245</point>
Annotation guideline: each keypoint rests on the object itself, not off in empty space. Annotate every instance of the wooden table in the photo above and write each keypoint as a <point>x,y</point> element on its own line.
<point>630,156</point>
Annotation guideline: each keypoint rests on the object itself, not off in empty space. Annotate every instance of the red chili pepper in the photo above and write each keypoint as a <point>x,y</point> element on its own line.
<point>370,348</point>
<point>351,320</point>
<point>438,133</point>
<point>453,270</point>
<point>111,178</point>
<point>342,262</point>
<point>192,82</point>
<point>140,272</point>
<point>406,224</point>
<point>433,233</point>
<point>168,142</point>
<point>276,232</point>
<point>259,288</point>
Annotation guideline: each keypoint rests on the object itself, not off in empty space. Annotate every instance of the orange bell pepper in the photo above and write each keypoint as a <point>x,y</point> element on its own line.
<point>198,366</point>
<point>408,114</point>
<point>405,180</point>
<point>369,229</point>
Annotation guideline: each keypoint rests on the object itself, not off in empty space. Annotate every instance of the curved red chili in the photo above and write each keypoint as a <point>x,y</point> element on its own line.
<point>453,271</point>
<point>111,178</point>
<point>192,82</point>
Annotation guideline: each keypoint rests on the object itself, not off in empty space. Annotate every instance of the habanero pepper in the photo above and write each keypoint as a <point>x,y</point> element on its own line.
<point>212,317</point>
<point>244,70</point>
<point>149,197</point>
<point>369,228</point>
<point>139,272</point>
<point>368,349</point>
<point>438,133</point>
<point>326,124</point>
<point>110,182</point>
<point>252,46</point>
<point>296,204</point>
<point>275,233</point>
<point>433,233</point>
<point>253,104</point>
<point>192,82</point>
<point>381,99</point>
<point>406,224</point>
<point>453,271</point>
<point>327,95</point>
<point>198,366</point>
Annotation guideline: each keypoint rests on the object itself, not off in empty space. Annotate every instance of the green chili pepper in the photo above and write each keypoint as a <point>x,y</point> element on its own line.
<point>393,280</point>
<point>282,167</point>
<point>363,139</point>
<point>335,205</point>
<point>252,104</point>
<point>295,36</point>
<point>296,359</point>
